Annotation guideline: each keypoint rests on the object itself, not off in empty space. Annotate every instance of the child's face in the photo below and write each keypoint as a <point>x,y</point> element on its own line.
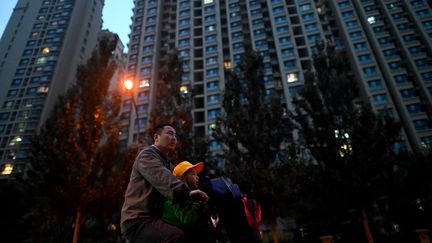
<point>191,179</point>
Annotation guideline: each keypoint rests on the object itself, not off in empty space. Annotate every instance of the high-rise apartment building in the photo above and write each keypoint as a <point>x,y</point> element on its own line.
<point>389,43</point>
<point>43,43</point>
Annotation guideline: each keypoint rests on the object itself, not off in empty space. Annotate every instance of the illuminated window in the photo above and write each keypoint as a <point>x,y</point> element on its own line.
<point>7,169</point>
<point>43,89</point>
<point>46,50</point>
<point>371,20</point>
<point>15,141</point>
<point>208,1</point>
<point>292,77</point>
<point>184,89</point>
<point>144,83</point>
<point>41,61</point>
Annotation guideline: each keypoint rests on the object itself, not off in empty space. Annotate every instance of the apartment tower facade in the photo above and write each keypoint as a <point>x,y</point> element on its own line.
<point>43,43</point>
<point>389,43</point>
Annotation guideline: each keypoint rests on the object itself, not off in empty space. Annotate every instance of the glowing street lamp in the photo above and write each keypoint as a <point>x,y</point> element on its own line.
<point>128,84</point>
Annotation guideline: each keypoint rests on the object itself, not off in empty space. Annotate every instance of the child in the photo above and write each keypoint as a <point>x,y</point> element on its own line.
<point>192,216</point>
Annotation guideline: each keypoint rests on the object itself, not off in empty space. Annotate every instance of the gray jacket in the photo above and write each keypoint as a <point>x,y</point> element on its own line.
<point>150,183</point>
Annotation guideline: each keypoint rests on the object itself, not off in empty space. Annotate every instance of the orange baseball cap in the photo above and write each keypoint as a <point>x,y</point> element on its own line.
<point>184,166</point>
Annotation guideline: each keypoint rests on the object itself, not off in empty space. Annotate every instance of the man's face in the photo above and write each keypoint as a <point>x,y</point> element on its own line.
<point>166,140</point>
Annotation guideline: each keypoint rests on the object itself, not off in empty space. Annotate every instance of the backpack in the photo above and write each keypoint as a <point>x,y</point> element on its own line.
<point>239,214</point>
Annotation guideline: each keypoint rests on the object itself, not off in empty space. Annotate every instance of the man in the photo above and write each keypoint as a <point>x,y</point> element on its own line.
<point>150,183</point>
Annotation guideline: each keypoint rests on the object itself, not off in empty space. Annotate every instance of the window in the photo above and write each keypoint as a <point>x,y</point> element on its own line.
<point>210,49</point>
<point>282,29</point>
<point>427,24</point>
<point>209,18</point>
<point>417,3</point>
<point>369,8</point>
<point>211,60</point>
<point>421,62</point>
<point>211,73</point>
<point>144,83</point>
<point>236,13</point>
<point>209,8</point>
<point>184,13</point>
<point>257,43</point>
<point>211,86</point>
<point>183,32</point>
<point>184,42</point>
<point>423,13</point>
<point>389,52</point>
<point>257,22</point>
<point>395,65</point>
<point>347,14</point>
<point>355,35</point>
<point>285,40</point>
<point>267,79</point>
<point>280,19</point>
<point>384,40</point>
<point>311,27</point>
<point>401,78</point>
<point>409,38</point>
<point>308,16</point>
<point>209,28</point>
<point>239,45</point>
<point>421,124</point>
<point>407,93</point>
<point>378,29</point>
<point>278,10</point>
<point>210,38</point>
<point>20,71</point>
<point>292,77</point>
<point>415,50</point>
<point>184,53</point>
<point>414,108</point>
<point>305,7</point>
<point>16,82</point>
<point>288,52</point>
<point>364,58</point>
<point>375,84</point>
<point>257,32</point>
<point>427,76</point>
<point>8,104</point>
<point>147,48</point>
<point>295,90</point>
<point>360,46</point>
<point>213,99</point>
<point>343,4</point>
<point>149,38</point>
<point>290,64</point>
<point>351,24</point>
<point>213,114</point>
<point>379,99</point>
<point>151,11</point>
<point>237,34</point>
<point>314,38</point>
<point>145,71</point>
<point>403,26</point>
<point>372,19</point>
<point>369,71</point>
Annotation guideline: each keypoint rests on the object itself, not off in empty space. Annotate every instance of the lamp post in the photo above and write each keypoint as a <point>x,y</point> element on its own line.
<point>128,84</point>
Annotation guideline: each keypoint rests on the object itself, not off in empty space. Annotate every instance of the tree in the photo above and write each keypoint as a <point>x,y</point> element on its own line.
<point>252,131</point>
<point>77,174</point>
<point>350,143</point>
<point>173,104</point>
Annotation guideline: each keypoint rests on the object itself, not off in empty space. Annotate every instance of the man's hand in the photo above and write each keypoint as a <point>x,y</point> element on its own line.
<point>198,195</point>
